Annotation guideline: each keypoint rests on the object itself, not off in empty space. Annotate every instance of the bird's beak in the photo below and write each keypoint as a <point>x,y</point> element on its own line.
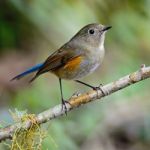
<point>106,28</point>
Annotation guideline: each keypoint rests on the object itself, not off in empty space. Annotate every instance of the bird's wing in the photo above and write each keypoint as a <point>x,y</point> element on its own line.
<point>58,59</point>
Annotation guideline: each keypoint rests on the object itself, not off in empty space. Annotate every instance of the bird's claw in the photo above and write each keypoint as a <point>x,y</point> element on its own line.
<point>64,107</point>
<point>100,87</point>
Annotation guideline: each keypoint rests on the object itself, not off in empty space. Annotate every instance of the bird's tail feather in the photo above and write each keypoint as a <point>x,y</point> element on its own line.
<point>31,70</point>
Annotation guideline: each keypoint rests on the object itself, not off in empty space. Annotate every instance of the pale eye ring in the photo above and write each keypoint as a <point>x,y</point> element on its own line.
<point>91,31</point>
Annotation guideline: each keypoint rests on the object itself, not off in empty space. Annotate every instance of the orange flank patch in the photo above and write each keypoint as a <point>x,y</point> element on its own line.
<point>73,63</point>
<point>67,71</point>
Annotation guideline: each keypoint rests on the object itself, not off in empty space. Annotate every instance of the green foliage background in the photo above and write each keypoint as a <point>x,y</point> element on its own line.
<point>31,30</point>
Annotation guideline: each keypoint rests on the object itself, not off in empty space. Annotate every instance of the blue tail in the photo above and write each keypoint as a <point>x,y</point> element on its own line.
<point>33,69</point>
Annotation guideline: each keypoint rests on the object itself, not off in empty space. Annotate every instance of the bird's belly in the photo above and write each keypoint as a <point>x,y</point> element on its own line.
<point>87,69</point>
<point>72,73</point>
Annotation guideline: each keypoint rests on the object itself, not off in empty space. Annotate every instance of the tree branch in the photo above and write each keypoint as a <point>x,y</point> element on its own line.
<point>78,100</point>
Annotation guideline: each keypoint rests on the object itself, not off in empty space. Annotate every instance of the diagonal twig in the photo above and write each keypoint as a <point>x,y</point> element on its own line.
<point>76,101</point>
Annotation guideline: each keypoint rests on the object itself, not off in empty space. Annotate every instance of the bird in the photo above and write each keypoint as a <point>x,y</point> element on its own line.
<point>80,56</point>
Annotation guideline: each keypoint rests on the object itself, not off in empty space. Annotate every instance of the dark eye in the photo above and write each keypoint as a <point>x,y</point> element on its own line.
<point>91,31</point>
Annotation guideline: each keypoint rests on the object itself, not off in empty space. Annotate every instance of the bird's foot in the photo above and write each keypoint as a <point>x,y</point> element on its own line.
<point>100,87</point>
<point>64,107</point>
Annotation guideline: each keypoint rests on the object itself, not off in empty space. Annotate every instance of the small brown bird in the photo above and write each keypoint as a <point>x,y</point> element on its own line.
<point>75,59</point>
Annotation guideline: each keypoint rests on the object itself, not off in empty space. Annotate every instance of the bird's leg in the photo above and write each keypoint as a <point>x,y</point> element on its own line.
<point>93,87</point>
<point>62,99</point>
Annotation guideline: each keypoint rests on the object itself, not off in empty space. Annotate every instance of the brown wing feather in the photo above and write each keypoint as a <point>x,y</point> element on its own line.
<point>56,60</point>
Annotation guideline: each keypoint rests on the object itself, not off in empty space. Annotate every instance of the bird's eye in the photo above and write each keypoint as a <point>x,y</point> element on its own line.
<point>91,31</point>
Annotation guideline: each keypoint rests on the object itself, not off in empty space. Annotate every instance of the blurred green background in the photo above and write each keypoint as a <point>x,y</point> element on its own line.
<point>30,30</point>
